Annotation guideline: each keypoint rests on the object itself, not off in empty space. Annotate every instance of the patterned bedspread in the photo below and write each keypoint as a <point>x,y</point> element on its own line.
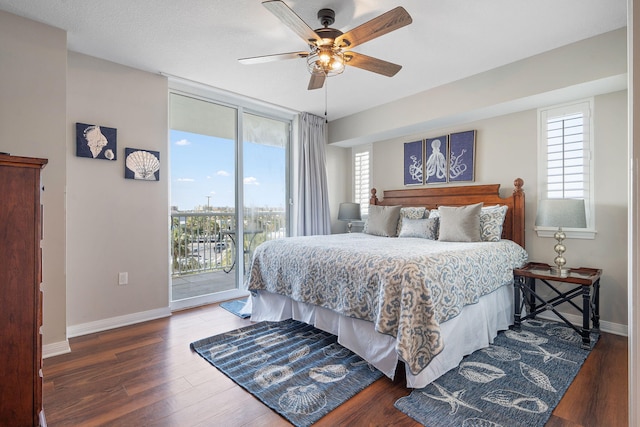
<point>405,286</point>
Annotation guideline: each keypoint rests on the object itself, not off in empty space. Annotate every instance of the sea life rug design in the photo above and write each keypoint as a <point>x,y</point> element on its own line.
<point>517,381</point>
<point>295,369</point>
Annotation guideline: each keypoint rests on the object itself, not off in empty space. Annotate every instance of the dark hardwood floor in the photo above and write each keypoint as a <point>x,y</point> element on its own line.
<point>146,375</point>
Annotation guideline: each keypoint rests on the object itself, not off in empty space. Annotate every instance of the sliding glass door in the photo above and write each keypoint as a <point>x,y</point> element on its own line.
<point>229,186</point>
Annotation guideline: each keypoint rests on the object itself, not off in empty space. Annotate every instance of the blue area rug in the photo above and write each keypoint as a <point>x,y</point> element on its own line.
<point>235,307</point>
<point>515,382</point>
<point>295,369</point>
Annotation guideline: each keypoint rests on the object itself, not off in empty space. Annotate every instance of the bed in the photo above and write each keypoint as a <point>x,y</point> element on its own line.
<point>409,301</point>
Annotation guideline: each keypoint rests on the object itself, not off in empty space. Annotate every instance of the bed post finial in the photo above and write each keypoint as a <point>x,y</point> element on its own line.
<point>374,199</point>
<point>518,183</point>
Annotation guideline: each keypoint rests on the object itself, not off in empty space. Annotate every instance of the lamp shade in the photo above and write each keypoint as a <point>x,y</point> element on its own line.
<point>569,213</point>
<point>349,211</point>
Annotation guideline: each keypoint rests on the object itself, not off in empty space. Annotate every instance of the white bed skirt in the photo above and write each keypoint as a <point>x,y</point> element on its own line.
<point>474,329</point>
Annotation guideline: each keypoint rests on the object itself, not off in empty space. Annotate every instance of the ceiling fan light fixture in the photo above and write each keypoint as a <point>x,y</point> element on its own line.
<point>325,61</point>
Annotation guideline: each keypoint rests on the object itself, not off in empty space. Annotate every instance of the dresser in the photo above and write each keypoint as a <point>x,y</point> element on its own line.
<point>20,293</point>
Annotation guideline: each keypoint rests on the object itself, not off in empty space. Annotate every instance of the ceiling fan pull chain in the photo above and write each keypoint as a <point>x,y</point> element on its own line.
<point>326,90</point>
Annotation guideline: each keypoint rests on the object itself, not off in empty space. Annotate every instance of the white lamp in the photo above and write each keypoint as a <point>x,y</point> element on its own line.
<point>569,213</point>
<point>349,212</point>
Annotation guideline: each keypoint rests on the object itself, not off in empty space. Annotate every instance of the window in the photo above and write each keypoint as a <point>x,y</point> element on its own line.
<point>362,177</point>
<point>565,161</point>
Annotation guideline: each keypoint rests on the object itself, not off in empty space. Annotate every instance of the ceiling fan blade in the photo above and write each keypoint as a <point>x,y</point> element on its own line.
<point>291,20</point>
<point>272,58</point>
<point>369,63</point>
<point>316,81</point>
<point>383,24</point>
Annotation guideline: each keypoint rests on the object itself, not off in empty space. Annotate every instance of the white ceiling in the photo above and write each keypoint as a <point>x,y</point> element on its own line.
<point>201,40</point>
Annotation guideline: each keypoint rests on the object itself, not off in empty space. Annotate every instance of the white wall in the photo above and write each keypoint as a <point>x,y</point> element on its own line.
<point>116,224</point>
<point>33,124</point>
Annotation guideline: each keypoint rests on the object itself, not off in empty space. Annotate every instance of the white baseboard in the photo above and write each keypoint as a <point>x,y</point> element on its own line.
<point>576,320</point>
<point>116,322</point>
<point>208,299</point>
<point>55,349</point>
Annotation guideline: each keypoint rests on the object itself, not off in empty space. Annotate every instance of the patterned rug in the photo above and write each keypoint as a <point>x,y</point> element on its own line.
<point>517,381</point>
<point>295,369</point>
<point>235,307</point>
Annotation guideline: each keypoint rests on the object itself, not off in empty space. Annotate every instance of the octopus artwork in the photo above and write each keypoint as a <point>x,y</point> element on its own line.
<point>436,162</point>
<point>413,163</point>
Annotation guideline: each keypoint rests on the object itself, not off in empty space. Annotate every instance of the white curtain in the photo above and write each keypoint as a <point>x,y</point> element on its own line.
<point>313,216</point>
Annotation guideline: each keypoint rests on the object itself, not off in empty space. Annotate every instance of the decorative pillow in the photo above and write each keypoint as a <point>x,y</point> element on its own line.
<point>460,224</point>
<point>491,222</point>
<point>425,228</point>
<point>383,220</point>
<point>414,213</point>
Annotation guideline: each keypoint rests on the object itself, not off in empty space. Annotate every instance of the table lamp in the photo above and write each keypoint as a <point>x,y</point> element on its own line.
<point>569,213</point>
<point>349,212</point>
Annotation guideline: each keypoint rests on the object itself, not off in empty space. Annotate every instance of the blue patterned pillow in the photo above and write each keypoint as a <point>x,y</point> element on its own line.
<point>424,228</point>
<point>491,222</point>
<point>411,212</point>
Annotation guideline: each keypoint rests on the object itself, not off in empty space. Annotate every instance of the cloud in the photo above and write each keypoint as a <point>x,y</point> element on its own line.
<point>183,142</point>
<point>223,173</point>
<point>186,180</point>
<point>250,180</point>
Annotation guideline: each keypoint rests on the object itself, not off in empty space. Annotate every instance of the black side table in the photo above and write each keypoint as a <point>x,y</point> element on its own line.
<point>588,285</point>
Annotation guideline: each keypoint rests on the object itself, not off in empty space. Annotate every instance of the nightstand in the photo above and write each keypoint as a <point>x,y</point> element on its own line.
<point>587,281</point>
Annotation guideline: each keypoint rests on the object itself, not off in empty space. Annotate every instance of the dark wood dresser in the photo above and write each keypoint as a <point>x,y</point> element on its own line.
<point>20,293</point>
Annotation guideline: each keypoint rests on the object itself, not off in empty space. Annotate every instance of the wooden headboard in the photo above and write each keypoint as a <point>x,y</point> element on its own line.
<point>432,197</point>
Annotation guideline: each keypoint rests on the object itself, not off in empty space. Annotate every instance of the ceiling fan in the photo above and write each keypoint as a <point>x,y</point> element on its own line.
<point>330,49</point>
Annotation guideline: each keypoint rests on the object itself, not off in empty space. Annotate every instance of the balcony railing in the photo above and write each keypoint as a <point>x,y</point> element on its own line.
<point>203,242</point>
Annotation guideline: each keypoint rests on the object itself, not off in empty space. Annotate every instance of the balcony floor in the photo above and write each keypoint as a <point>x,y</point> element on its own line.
<point>197,284</point>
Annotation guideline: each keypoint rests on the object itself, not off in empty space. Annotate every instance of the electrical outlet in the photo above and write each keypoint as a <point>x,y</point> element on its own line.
<point>123,278</point>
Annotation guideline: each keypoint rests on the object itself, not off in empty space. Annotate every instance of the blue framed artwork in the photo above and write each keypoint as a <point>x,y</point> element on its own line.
<point>141,164</point>
<point>462,156</point>
<point>437,161</point>
<point>413,171</point>
<point>96,142</point>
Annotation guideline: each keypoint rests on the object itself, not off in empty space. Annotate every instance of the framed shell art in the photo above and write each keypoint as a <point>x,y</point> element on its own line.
<point>141,164</point>
<point>462,156</point>
<point>413,170</point>
<point>437,151</point>
<point>96,142</point>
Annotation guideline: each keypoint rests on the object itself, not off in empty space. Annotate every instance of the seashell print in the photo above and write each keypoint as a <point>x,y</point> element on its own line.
<point>272,374</point>
<point>270,339</point>
<point>329,373</point>
<point>143,164</point>
<point>255,358</point>
<point>222,350</point>
<point>311,335</point>
<point>336,350</point>
<point>536,377</point>
<point>480,372</point>
<point>298,353</point>
<point>565,334</point>
<point>513,399</point>
<point>535,323</point>
<point>479,422</point>
<point>304,400</point>
<point>503,354</point>
<point>526,336</point>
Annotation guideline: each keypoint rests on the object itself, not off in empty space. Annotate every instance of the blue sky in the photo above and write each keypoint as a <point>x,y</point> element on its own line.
<point>204,166</point>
